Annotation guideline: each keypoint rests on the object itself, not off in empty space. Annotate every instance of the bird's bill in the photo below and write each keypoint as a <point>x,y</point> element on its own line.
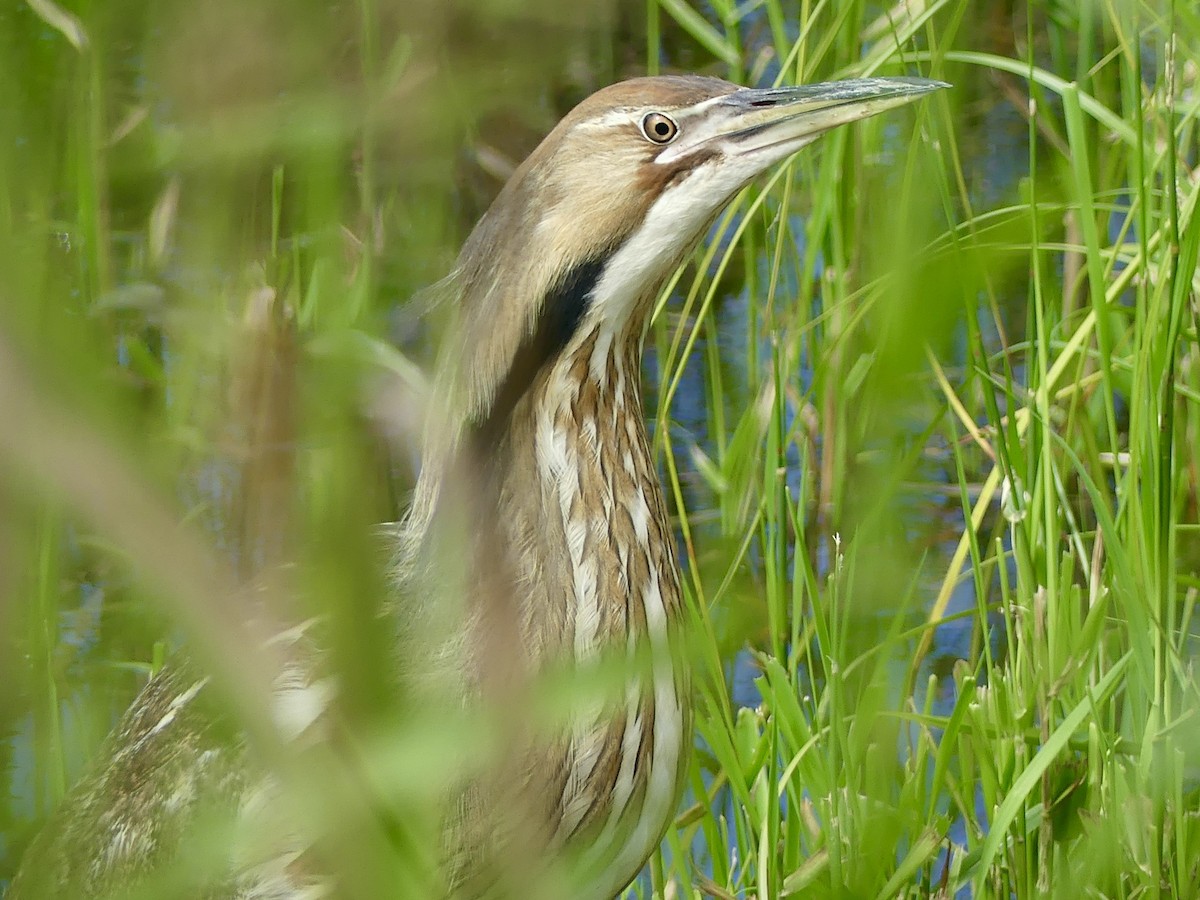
<point>785,119</point>
<point>783,115</point>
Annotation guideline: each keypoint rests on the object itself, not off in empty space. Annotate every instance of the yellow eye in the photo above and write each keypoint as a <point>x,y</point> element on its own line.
<point>659,128</point>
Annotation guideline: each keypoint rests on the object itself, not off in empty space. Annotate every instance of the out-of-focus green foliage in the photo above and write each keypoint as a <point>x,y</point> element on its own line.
<point>949,353</point>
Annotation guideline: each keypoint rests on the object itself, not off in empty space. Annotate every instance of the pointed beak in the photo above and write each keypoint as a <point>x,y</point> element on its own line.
<point>792,117</point>
<point>760,127</point>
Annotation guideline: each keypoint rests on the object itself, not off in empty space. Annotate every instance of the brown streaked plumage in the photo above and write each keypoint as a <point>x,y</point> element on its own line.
<point>538,530</point>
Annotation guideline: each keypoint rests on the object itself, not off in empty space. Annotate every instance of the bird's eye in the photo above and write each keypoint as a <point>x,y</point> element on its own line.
<point>659,128</point>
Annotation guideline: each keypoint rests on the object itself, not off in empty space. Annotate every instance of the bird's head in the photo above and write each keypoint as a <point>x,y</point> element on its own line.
<point>587,229</point>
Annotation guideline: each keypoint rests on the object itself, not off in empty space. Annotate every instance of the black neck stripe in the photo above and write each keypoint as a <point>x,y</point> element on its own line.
<point>566,302</point>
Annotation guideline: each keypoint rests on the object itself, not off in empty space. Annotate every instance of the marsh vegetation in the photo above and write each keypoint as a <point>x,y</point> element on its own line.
<point>926,404</point>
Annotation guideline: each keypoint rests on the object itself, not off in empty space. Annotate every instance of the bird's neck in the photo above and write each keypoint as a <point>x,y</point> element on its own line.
<point>595,554</point>
<point>600,508</point>
<point>573,518</point>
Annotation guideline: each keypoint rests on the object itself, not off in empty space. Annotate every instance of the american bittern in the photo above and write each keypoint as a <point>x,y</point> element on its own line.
<point>540,403</point>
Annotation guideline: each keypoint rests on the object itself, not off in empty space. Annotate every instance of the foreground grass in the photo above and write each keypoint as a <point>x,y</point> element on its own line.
<point>928,414</point>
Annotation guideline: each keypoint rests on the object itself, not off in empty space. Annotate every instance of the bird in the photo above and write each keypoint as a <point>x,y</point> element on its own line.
<point>538,517</point>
